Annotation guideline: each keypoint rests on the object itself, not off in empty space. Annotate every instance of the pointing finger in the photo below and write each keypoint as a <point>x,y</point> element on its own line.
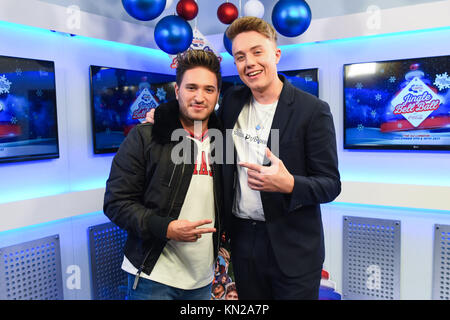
<point>251,166</point>
<point>199,223</point>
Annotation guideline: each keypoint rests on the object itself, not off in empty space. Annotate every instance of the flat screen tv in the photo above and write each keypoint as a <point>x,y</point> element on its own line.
<point>28,121</point>
<point>398,104</point>
<point>306,80</point>
<point>120,99</point>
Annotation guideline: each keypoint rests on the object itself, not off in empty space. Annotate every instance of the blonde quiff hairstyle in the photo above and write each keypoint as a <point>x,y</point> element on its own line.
<point>245,24</point>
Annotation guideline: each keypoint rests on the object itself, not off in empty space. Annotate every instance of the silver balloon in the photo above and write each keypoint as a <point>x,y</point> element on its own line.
<point>254,8</point>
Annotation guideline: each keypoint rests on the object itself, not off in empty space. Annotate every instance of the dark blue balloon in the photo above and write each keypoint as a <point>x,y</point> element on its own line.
<point>144,10</point>
<point>227,43</point>
<point>173,34</point>
<point>291,17</point>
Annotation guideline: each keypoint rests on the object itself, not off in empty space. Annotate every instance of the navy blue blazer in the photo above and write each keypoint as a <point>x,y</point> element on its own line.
<point>307,147</point>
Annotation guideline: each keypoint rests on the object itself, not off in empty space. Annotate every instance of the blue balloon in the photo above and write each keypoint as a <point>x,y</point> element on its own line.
<point>291,17</point>
<point>173,34</point>
<point>144,10</point>
<point>227,43</point>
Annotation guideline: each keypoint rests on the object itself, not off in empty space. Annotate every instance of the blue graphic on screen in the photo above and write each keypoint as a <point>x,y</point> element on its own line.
<point>306,80</point>
<point>401,104</point>
<point>120,99</point>
<point>28,123</point>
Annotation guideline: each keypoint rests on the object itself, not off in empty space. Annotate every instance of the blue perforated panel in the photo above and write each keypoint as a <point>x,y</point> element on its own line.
<point>31,270</point>
<point>441,262</point>
<point>106,242</point>
<point>371,258</point>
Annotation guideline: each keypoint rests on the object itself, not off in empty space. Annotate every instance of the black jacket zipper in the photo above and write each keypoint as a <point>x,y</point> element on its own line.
<point>217,210</point>
<point>136,278</point>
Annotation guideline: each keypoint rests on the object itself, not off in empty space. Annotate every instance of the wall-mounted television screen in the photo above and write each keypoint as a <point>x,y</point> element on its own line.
<point>120,99</point>
<point>28,121</point>
<point>398,104</point>
<point>306,80</point>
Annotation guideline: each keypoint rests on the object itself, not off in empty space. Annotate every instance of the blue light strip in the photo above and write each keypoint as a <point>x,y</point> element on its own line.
<point>50,223</point>
<point>106,43</point>
<point>384,208</point>
<point>363,38</point>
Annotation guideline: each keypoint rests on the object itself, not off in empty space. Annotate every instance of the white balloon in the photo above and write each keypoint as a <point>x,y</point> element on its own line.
<point>168,4</point>
<point>254,8</point>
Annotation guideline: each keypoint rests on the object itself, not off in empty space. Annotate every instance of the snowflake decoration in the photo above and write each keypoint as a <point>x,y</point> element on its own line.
<point>392,79</point>
<point>161,93</point>
<point>5,85</point>
<point>19,71</point>
<point>400,126</point>
<point>43,73</point>
<point>39,93</point>
<point>378,97</point>
<point>442,81</point>
<point>120,102</point>
<point>374,113</point>
<point>359,86</point>
<point>13,120</point>
<point>360,127</point>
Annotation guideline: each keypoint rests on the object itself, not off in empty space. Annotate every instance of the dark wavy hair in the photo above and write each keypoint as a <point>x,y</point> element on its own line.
<point>191,58</point>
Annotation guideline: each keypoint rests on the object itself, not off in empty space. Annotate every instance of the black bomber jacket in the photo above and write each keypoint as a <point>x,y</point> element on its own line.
<point>146,189</point>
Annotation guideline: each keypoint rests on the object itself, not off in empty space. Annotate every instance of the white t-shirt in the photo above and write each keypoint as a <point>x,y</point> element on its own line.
<point>250,135</point>
<point>189,265</point>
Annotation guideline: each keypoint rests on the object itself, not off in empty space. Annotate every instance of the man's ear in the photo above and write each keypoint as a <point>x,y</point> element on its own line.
<point>176,90</point>
<point>278,54</point>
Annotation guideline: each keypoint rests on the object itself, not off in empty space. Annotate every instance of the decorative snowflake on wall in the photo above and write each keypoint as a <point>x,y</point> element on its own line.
<point>442,81</point>
<point>359,85</point>
<point>392,79</point>
<point>161,94</point>
<point>5,85</point>
<point>378,97</point>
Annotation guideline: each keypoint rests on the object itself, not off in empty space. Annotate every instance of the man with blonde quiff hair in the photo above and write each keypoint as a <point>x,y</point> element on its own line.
<point>272,201</point>
<point>251,24</point>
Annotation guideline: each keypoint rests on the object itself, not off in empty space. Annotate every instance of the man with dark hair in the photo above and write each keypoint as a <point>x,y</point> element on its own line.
<point>169,202</point>
<point>277,245</point>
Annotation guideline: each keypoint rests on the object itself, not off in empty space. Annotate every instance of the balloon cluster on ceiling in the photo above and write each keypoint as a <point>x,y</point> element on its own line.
<point>173,34</point>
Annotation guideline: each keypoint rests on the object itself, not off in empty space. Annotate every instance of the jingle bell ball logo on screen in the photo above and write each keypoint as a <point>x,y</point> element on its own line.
<point>416,102</point>
<point>143,104</point>
<point>401,104</point>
